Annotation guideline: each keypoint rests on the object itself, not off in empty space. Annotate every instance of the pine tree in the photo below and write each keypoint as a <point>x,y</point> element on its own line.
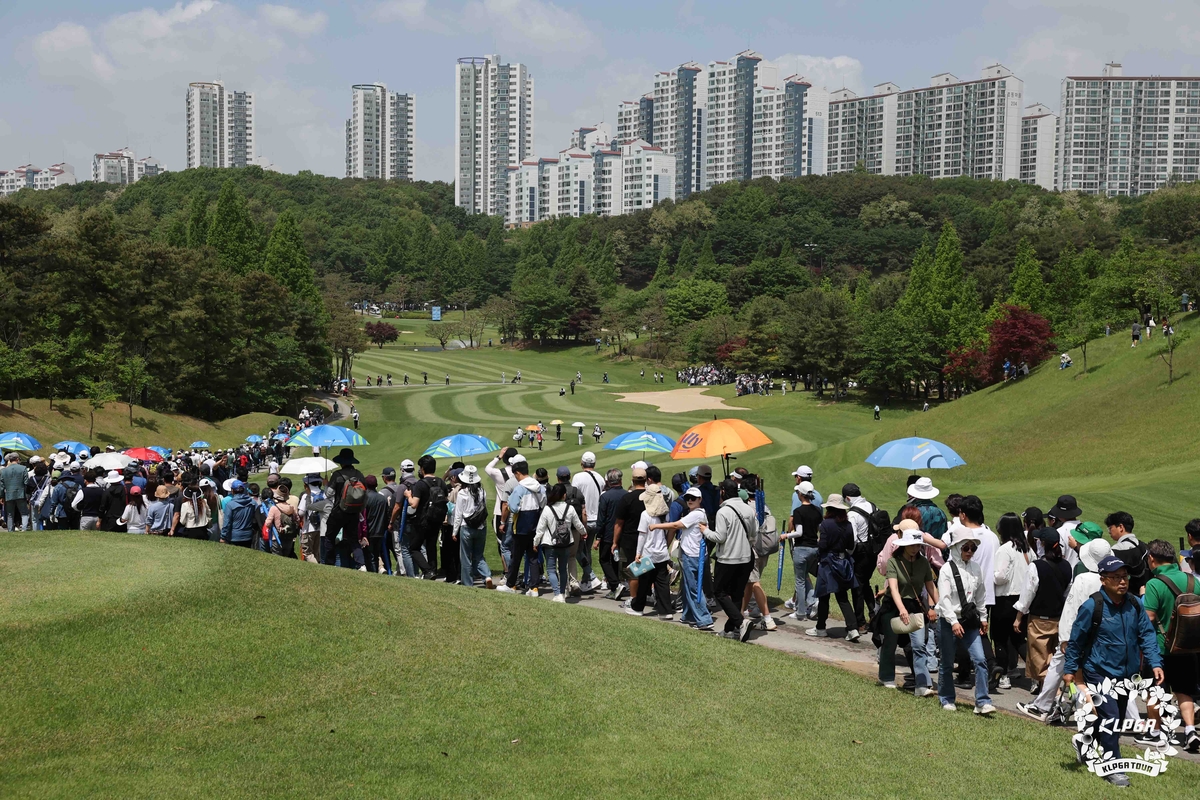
<point>233,233</point>
<point>286,258</point>
<point>664,276</point>
<point>1068,285</point>
<point>1028,285</point>
<point>685,262</point>
<point>707,268</point>
<point>196,231</point>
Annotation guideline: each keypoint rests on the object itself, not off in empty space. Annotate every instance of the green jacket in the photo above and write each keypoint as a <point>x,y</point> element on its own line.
<point>1161,601</point>
<point>12,481</point>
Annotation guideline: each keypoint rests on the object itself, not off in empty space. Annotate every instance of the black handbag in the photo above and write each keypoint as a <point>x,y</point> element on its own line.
<point>968,617</point>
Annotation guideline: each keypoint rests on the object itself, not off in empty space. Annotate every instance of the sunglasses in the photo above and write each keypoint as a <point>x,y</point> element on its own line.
<point>969,548</point>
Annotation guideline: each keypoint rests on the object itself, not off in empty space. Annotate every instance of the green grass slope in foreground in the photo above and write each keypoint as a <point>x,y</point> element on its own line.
<point>69,420</point>
<point>147,667</point>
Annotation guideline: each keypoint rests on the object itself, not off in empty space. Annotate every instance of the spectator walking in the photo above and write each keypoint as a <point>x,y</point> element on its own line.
<point>963,618</point>
<point>1011,575</point>
<point>1042,601</point>
<point>909,579</point>
<point>1180,672</point>
<point>732,536</point>
<point>835,570</point>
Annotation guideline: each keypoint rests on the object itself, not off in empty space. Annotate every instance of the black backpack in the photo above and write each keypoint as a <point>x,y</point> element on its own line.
<point>434,510</point>
<point>879,528</point>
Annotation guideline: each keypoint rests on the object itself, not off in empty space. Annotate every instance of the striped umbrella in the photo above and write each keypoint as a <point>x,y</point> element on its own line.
<point>15,440</point>
<point>644,441</point>
<point>461,445</point>
<point>326,436</point>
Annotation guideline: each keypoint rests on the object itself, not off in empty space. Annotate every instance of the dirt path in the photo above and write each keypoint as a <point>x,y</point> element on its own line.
<point>678,401</point>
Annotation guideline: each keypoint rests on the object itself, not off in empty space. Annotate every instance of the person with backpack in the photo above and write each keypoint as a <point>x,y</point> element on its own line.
<point>1113,647</point>
<point>835,568</point>
<point>525,503</point>
<point>764,544</point>
<point>557,526</point>
<point>963,618</point>
<point>1044,708</point>
<point>607,515</point>
<point>282,525</point>
<point>731,537</point>
<point>238,527</point>
<point>348,496</point>
<point>113,503</point>
<point>920,496</point>
<point>1042,601</point>
<point>470,528</point>
<point>451,564</point>
<point>871,532</point>
<point>427,503</point>
<point>309,515</point>
<point>1173,604</point>
<point>1127,548</point>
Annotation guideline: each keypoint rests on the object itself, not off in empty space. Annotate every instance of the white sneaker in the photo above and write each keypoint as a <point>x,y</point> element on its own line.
<point>821,632</point>
<point>532,593</point>
<point>1033,688</point>
<point>853,636</point>
<point>629,610</point>
<point>362,569</point>
<point>1005,683</point>
<point>985,709</point>
<point>622,591</point>
<point>789,603</point>
<point>558,598</point>
<point>504,589</point>
<point>769,623</point>
<point>794,615</point>
<point>594,585</point>
<point>382,570</point>
<point>666,617</point>
<point>949,707</point>
<point>886,684</point>
<point>922,691</point>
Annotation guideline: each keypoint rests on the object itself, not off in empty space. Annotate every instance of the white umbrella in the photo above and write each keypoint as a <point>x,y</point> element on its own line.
<point>578,425</point>
<point>108,461</point>
<point>303,466</point>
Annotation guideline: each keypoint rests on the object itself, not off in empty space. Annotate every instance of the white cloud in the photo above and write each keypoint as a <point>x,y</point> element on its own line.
<point>130,75</point>
<point>68,50</point>
<point>534,26</point>
<point>294,21</point>
<point>823,72</point>
<point>407,11</point>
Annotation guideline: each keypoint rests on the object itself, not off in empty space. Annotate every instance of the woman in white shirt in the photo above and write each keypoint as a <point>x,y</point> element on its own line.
<point>555,512</point>
<point>960,584</point>
<point>1011,570</point>
<point>695,609</point>
<point>469,526</point>
<point>654,543</point>
<point>134,515</point>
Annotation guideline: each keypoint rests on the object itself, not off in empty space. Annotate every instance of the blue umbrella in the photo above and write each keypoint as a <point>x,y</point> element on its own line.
<point>165,452</point>
<point>280,436</point>
<point>461,445</point>
<point>325,436</point>
<point>645,441</point>
<point>14,440</point>
<point>74,448</point>
<point>914,454</point>
<point>254,438</point>
<point>200,444</point>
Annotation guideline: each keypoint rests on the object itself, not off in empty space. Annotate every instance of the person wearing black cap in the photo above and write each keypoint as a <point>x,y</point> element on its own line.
<point>1042,601</point>
<point>1115,650</point>
<point>860,511</point>
<point>341,531</point>
<point>1067,512</point>
<point>1127,548</point>
<point>427,499</point>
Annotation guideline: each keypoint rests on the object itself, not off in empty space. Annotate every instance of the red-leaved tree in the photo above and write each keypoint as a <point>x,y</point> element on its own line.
<point>1017,335</point>
<point>964,368</point>
<point>381,333</point>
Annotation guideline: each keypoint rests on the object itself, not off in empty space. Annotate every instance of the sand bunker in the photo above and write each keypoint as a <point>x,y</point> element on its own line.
<point>677,401</point>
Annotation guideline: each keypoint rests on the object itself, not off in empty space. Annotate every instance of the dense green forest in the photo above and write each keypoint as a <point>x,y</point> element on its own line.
<point>229,288</point>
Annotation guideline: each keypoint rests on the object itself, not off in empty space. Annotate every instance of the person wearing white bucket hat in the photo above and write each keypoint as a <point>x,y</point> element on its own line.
<point>920,496</point>
<point>469,527</point>
<point>908,575</point>
<point>963,611</point>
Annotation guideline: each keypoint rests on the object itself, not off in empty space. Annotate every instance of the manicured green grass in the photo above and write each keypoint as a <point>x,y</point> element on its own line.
<point>139,666</point>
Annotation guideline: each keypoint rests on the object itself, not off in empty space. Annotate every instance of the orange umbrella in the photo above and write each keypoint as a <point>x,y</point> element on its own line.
<point>720,437</point>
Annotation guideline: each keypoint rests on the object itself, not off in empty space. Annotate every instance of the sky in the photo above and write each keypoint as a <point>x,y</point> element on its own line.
<point>86,76</point>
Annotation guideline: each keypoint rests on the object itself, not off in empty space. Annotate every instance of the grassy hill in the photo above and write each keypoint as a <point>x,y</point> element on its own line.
<point>69,420</point>
<point>137,666</point>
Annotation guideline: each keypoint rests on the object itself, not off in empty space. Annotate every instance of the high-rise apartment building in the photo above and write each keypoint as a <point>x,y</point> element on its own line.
<point>680,103</point>
<point>220,126</point>
<point>39,179</point>
<point>493,130</point>
<point>862,130</point>
<point>779,142</point>
<point>123,167</point>
<point>948,129</point>
<point>1039,147</point>
<point>380,133</point>
<point>816,116</point>
<point>1128,135</point>
<point>591,137</point>
<point>635,119</point>
<point>729,133</point>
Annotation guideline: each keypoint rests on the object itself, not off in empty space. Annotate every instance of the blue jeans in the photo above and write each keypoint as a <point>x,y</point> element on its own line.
<point>947,641</point>
<point>406,556</point>
<point>887,654</point>
<point>801,557</point>
<point>694,612</point>
<point>557,564</point>
<point>1107,708</point>
<point>471,542</point>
